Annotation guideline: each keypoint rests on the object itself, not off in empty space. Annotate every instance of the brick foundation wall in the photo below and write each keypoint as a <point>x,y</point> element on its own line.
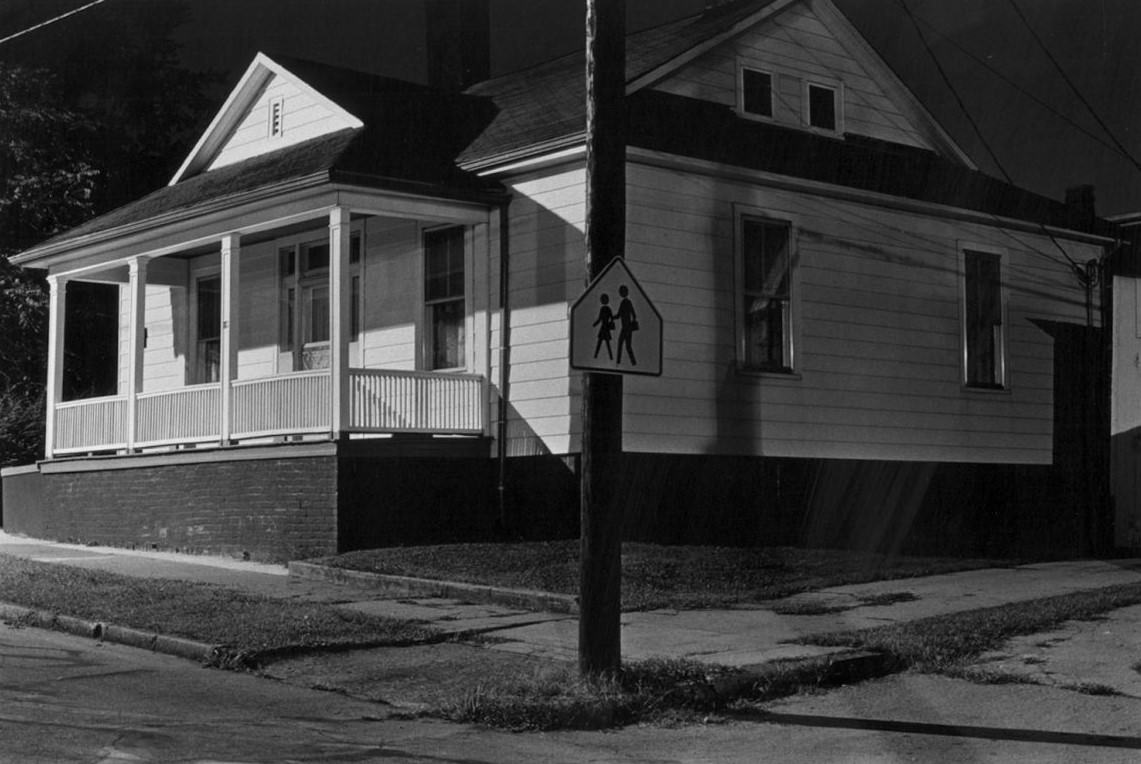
<point>965,510</point>
<point>20,509</point>
<point>270,510</point>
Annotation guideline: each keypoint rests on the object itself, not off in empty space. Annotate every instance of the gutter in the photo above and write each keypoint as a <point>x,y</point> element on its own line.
<point>83,241</point>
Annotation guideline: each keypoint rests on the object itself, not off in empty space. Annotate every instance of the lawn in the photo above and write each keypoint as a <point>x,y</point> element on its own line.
<point>247,624</point>
<point>653,576</point>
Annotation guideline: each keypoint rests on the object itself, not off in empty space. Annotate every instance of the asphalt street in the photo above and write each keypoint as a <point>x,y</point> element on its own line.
<point>67,699</point>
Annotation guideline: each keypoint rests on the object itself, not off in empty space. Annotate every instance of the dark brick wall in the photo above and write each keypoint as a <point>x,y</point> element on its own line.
<point>1004,511</point>
<point>21,509</point>
<point>271,509</point>
<point>394,501</point>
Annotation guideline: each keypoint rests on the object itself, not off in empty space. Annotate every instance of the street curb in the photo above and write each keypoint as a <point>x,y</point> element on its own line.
<point>406,586</point>
<point>108,632</point>
<point>780,676</point>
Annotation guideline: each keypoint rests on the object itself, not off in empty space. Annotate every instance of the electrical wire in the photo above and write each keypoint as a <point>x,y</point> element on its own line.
<point>1066,78</point>
<point>43,24</point>
<point>1077,268</point>
<point>1113,145</point>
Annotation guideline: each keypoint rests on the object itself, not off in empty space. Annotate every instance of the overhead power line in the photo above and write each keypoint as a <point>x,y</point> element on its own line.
<point>1074,87</point>
<point>43,24</point>
<point>982,62</point>
<point>1074,265</point>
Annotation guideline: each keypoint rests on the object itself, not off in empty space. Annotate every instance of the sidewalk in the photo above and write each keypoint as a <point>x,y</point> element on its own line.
<point>743,636</point>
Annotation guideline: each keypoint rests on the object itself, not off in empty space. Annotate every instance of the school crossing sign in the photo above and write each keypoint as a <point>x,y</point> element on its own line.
<point>614,327</point>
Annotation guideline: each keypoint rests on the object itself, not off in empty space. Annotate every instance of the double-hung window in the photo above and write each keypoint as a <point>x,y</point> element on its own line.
<point>304,311</point>
<point>208,328</point>
<point>444,297</point>
<point>983,338</point>
<point>764,300</point>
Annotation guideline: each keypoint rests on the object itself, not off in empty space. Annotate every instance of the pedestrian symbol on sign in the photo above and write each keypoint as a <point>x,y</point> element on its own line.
<point>594,321</point>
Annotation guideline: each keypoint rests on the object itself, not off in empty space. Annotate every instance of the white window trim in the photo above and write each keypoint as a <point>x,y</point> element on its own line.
<point>423,336</point>
<point>357,269</point>
<point>837,88</point>
<point>1003,359</point>
<point>792,368</point>
<point>742,67</point>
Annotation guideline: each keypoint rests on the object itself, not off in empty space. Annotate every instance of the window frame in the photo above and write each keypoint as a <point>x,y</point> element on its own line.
<point>427,327</point>
<point>1002,346</point>
<point>195,372</point>
<point>742,68</point>
<point>837,88</point>
<point>302,281</point>
<point>789,369</point>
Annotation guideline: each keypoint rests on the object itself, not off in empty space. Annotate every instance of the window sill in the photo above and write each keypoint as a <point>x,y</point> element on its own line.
<point>786,374</point>
<point>757,117</point>
<point>986,389</point>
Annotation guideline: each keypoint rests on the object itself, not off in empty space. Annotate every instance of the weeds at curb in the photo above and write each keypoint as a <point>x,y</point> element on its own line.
<point>657,691</point>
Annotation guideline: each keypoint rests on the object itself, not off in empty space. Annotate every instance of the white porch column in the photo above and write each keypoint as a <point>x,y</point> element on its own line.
<point>57,298</point>
<point>137,286</point>
<point>340,316</point>
<point>228,372</point>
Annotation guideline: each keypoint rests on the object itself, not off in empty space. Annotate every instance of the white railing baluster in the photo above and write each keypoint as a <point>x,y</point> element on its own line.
<point>390,400</point>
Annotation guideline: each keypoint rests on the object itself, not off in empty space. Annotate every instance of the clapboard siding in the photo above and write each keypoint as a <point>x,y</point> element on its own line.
<point>392,292</point>
<point>878,335</point>
<point>545,225</point>
<point>258,311</point>
<point>796,47</point>
<point>304,116</point>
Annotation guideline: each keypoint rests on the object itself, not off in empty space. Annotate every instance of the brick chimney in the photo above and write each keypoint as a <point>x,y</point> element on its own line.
<point>1081,206</point>
<point>459,42</point>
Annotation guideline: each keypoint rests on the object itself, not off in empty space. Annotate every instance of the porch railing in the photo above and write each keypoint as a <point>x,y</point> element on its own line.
<point>289,403</point>
<point>184,415</point>
<point>415,401</point>
<point>380,401</point>
<point>102,421</point>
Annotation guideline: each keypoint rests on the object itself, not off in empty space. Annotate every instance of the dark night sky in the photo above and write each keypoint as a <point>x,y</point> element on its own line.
<point>1030,118</point>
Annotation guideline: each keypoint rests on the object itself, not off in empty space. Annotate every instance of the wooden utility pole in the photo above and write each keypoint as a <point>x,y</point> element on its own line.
<point>599,640</point>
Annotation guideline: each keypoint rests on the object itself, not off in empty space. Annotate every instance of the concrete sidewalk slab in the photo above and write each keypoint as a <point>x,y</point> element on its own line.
<point>1093,656</point>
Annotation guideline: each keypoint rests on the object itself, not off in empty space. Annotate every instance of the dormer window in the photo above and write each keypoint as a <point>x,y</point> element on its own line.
<point>821,103</point>
<point>756,92</point>
<point>276,117</point>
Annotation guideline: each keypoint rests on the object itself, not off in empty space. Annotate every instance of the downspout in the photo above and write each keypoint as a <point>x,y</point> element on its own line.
<point>504,362</point>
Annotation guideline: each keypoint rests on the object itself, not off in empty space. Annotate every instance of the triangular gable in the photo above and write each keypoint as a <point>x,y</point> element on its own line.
<point>242,127</point>
<point>803,40</point>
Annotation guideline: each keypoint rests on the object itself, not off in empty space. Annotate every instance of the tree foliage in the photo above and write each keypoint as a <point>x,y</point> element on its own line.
<point>94,112</point>
<point>46,185</point>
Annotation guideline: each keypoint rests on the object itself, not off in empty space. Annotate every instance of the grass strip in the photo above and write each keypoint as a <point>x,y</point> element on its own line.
<point>945,643</point>
<point>249,625</point>
<point>653,575</point>
<point>657,691</point>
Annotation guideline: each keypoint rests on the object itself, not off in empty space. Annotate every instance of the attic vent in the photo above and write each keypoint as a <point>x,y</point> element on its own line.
<point>276,115</point>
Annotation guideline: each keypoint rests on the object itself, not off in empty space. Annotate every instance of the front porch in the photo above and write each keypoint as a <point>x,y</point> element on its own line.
<point>326,323</point>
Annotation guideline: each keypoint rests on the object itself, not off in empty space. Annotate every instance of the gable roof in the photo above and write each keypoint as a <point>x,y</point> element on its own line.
<point>543,108</point>
<point>260,71</point>
<point>407,140</point>
<point>402,136</point>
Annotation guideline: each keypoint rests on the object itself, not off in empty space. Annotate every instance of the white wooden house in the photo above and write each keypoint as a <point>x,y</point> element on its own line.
<point>345,321</point>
